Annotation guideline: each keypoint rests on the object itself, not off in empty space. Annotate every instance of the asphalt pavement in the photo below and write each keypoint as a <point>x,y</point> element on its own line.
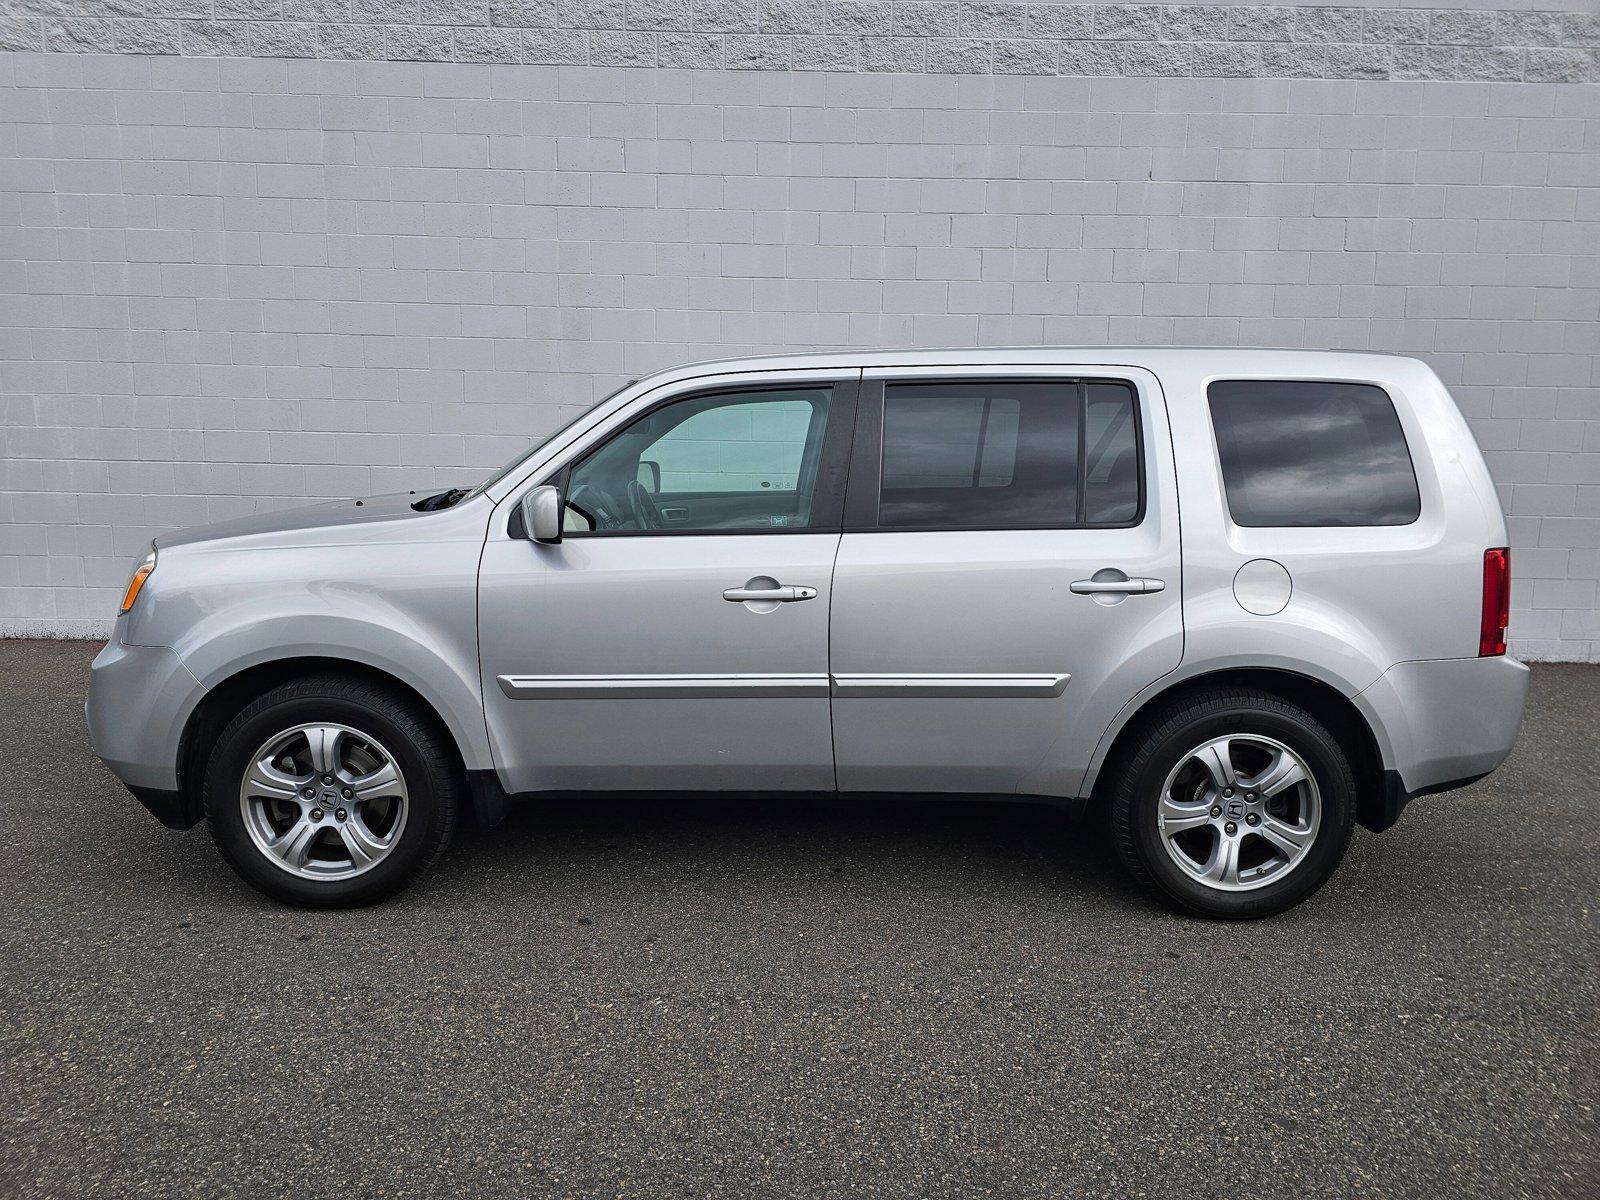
<point>748,1000</point>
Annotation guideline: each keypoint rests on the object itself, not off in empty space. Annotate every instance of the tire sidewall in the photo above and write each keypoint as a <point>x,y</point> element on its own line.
<point>250,731</point>
<point>1335,788</point>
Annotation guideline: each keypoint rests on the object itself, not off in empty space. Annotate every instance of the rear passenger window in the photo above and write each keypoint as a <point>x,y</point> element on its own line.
<point>1302,453</point>
<point>1002,455</point>
<point>963,456</point>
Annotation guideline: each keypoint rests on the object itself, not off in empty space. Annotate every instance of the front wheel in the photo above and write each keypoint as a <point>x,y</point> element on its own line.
<point>1234,804</point>
<point>331,792</point>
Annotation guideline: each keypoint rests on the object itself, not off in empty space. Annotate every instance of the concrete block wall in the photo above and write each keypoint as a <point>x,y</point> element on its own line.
<point>231,281</point>
<point>1014,37</point>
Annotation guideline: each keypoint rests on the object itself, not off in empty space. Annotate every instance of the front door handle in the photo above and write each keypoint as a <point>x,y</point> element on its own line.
<point>1137,586</point>
<point>781,594</point>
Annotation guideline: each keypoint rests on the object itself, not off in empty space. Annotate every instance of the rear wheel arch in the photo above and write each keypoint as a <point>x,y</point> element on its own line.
<point>1336,711</point>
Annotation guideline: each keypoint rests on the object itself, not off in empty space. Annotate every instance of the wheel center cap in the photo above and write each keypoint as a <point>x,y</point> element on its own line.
<point>1234,809</point>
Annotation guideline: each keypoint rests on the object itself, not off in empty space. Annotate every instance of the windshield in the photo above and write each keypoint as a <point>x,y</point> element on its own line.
<point>544,441</point>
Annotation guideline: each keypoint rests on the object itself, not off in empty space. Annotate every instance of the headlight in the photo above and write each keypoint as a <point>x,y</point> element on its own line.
<point>136,582</point>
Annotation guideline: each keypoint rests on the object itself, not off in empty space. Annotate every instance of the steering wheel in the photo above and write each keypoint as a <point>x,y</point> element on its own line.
<point>646,513</point>
<point>594,504</point>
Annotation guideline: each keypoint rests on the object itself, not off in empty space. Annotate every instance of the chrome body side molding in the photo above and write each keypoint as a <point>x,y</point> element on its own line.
<point>664,687</point>
<point>932,686</point>
<point>660,687</point>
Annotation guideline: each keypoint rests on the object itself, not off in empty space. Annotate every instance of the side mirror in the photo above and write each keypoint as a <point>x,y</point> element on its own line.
<point>650,475</point>
<point>541,513</point>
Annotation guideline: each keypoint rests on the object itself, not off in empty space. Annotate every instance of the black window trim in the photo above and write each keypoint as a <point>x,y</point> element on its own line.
<point>866,460</point>
<point>827,503</point>
<point>1222,478</point>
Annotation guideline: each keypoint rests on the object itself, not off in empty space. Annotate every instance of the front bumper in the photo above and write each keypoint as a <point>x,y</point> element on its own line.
<point>1444,723</point>
<point>140,697</point>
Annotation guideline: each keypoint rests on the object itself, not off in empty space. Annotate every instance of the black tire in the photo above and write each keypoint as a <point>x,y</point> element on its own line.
<point>413,738</point>
<point>1171,734</point>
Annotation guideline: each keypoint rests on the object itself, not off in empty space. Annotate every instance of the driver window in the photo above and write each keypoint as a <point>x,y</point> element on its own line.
<point>734,460</point>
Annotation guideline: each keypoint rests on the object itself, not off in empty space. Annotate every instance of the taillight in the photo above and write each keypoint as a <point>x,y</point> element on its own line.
<point>1496,601</point>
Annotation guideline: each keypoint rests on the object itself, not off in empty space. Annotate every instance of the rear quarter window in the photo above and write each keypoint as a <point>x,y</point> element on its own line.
<point>1299,453</point>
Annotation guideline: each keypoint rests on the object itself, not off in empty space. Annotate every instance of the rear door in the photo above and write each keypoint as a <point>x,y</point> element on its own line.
<point>1008,575</point>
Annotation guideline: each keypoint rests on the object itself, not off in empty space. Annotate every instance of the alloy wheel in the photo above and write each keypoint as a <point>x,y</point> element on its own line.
<point>324,801</point>
<point>1239,812</point>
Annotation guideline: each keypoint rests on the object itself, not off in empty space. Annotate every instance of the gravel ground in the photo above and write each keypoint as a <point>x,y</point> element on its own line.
<point>755,1000</point>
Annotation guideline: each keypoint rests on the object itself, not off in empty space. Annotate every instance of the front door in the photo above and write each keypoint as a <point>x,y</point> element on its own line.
<point>1008,576</point>
<point>677,637</point>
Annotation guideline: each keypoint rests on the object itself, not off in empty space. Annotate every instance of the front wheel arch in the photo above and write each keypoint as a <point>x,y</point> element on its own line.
<point>230,697</point>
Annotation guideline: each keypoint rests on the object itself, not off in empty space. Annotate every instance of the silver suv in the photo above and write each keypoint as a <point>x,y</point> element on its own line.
<point>1236,601</point>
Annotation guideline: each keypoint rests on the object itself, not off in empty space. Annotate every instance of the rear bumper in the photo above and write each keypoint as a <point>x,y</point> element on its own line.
<point>1443,723</point>
<point>1381,811</point>
<point>139,700</point>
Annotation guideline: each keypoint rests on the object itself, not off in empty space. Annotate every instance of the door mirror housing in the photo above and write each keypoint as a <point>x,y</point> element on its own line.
<point>650,475</point>
<point>541,513</point>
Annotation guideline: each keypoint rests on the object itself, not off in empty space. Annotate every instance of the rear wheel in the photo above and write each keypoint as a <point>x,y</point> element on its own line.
<point>331,792</point>
<point>1234,804</point>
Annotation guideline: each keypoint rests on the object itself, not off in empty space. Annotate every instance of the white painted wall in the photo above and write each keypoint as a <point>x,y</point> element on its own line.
<point>233,284</point>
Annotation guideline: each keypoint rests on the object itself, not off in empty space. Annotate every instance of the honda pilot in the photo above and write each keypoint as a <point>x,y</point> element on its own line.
<point>1233,602</point>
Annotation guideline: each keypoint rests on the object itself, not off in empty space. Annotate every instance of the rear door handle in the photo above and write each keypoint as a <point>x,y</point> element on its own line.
<point>1138,586</point>
<point>782,594</point>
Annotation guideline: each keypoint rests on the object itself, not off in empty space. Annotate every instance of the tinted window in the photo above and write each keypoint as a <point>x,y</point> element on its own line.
<point>979,456</point>
<point>740,460</point>
<point>1111,455</point>
<point>1297,453</point>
